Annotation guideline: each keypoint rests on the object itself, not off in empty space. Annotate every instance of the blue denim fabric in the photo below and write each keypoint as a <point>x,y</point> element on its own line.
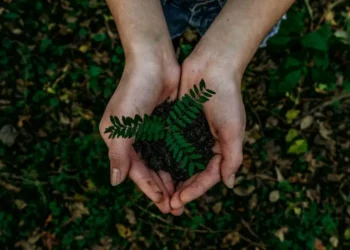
<point>200,14</point>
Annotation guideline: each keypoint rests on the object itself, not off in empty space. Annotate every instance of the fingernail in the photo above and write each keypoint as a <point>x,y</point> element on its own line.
<point>115,177</point>
<point>231,181</point>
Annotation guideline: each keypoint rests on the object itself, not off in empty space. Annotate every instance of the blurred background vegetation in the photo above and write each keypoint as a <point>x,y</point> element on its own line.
<point>59,64</point>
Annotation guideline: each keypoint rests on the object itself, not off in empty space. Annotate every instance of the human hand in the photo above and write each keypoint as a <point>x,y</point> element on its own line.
<point>144,85</point>
<point>226,118</point>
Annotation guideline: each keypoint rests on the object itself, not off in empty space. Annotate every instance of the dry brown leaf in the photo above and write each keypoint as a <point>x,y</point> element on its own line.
<point>274,196</point>
<point>279,175</point>
<point>319,245</point>
<point>217,207</point>
<point>281,232</point>
<point>9,186</point>
<point>20,204</point>
<point>130,216</point>
<point>230,239</point>
<point>335,177</point>
<point>8,134</point>
<point>324,131</point>
<point>78,209</point>
<point>241,191</point>
<point>306,122</point>
<point>253,202</point>
<point>190,35</point>
<point>123,231</point>
<point>334,241</point>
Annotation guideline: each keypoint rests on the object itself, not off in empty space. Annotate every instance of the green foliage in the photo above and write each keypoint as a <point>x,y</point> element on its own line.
<point>153,128</point>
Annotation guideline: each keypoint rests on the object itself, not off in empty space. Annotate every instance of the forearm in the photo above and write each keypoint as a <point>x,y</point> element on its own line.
<point>141,26</point>
<point>241,26</point>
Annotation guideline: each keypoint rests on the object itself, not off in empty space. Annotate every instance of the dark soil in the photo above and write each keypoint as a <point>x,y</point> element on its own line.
<point>156,155</point>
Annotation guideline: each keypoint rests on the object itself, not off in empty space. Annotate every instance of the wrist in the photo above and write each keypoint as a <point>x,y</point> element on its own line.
<point>216,63</point>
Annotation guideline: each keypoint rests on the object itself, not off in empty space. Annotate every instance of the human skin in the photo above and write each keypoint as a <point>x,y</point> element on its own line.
<point>220,58</point>
<point>152,74</point>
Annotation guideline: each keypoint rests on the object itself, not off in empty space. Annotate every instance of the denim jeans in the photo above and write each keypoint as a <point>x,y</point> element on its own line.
<point>200,14</point>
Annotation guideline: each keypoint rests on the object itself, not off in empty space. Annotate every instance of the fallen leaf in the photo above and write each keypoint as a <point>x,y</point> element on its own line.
<point>241,191</point>
<point>123,231</point>
<point>281,232</point>
<point>292,133</point>
<point>78,209</point>
<point>230,239</point>
<point>190,35</point>
<point>306,122</point>
<point>279,175</point>
<point>334,241</point>
<point>130,216</point>
<point>274,196</point>
<point>21,119</point>
<point>347,234</point>
<point>8,134</point>
<point>85,47</point>
<point>291,115</point>
<point>298,147</point>
<point>297,210</point>
<point>324,131</point>
<point>319,245</point>
<point>20,204</point>
<point>217,207</point>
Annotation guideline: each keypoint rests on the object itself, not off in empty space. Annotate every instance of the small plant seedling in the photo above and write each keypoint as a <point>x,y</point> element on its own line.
<point>153,128</point>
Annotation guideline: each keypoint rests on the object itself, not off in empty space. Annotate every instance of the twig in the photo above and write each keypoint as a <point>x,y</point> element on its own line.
<point>309,9</point>
<point>331,6</point>
<point>327,103</point>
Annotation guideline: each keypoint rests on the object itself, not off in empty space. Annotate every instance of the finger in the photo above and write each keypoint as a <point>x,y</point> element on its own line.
<point>176,202</point>
<point>203,182</point>
<point>232,159</point>
<point>143,178</point>
<point>167,181</point>
<point>164,205</point>
<point>119,156</point>
<point>180,210</point>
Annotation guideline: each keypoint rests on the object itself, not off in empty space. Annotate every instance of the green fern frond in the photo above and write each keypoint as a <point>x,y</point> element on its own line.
<point>148,128</point>
<point>188,108</point>
<point>182,151</point>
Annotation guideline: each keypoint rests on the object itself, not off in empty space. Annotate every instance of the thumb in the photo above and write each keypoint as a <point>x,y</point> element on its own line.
<point>232,159</point>
<point>120,159</point>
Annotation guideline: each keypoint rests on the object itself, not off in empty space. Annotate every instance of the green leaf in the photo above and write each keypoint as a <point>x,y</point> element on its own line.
<point>184,162</point>
<point>292,133</point>
<point>196,89</point>
<point>172,114</point>
<point>179,157</point>
<point>202,99</point>
<point>202,85</point>
<point>190,149</point>
<point>177,110</point>
<point>181,105</point>
<point>95,71</point>
<point>99,37</point>
<point>199,165</point>
<point>298,147</point>
<point>192,93</point>
<point>211,91</point>
<point>181,123</point>
<point>315,41</point>
<point>137,119</point>
<point>207,94</point>
<point>195,156</point>
<point>191,169</point>
<point>290,81</point>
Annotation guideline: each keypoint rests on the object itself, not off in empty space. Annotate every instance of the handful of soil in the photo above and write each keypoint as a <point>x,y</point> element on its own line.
<point>157,156</point>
